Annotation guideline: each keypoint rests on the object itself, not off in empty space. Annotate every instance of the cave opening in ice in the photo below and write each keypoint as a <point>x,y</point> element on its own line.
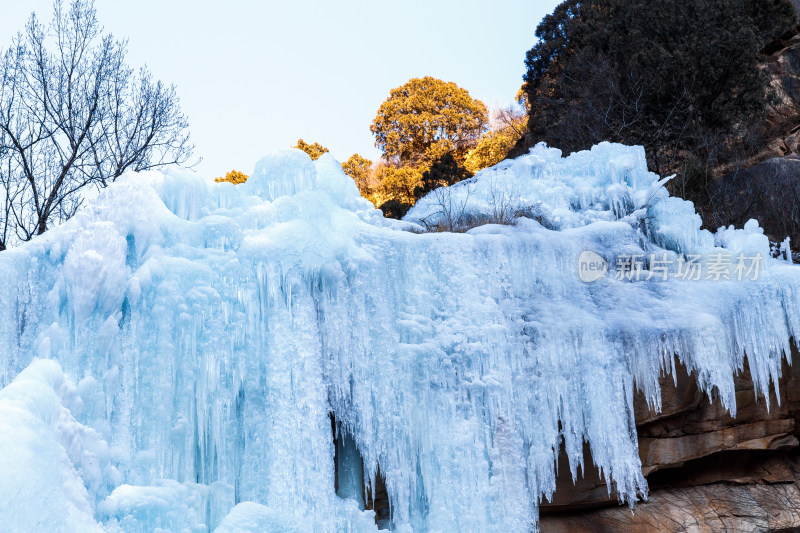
<point>350,481</point>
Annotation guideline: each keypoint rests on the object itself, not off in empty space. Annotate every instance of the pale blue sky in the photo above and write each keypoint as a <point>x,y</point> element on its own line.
<point>253,77</point>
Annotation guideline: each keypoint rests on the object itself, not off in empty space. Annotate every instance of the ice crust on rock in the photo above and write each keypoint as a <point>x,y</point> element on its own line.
<point>171,356</point>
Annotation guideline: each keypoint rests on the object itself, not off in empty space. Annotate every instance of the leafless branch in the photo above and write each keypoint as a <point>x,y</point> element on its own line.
<point>74,115</point>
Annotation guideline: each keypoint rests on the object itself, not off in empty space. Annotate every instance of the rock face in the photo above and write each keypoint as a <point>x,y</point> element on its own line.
<point>707,471</point>
<point>710,508</point>
<point>768,186</point>
<point>768,191</point>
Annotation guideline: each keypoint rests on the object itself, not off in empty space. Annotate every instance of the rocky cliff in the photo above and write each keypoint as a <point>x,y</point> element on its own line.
<point>707,471</point>
<point>767,185</point>
<point>760,177</point>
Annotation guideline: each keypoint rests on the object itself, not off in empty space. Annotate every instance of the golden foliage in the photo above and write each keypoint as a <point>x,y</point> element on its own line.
<point>493,148</point>
<point>360,169</point>
<point>234,176</point>
<point>426,117</point>
<point>508,125</point>
<point>314,150</point>
<point>422,122</point>
<point>397,184</point>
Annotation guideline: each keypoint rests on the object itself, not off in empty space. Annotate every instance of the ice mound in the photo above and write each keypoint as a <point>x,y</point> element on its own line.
<point>174,356</point>
<point>49,461</point>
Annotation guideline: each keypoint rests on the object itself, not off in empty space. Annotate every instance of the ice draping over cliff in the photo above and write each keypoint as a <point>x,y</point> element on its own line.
<point>173,354</point>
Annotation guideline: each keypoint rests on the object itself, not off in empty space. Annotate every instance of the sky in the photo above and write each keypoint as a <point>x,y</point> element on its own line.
<point>253,77</point>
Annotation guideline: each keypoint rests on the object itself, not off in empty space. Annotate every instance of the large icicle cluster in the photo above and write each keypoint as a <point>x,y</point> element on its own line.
<point>172,355</point>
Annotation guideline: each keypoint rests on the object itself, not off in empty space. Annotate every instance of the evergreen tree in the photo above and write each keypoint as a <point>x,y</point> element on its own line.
<point>666,74</point>
<point>444,172</point>
<point>395,208</point>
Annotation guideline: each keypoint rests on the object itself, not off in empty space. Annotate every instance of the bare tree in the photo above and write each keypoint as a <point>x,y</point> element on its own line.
<point>503,202</point>
<point>451,209</point>
<point>73,115</point>
<point>513,117</point>
<point>453,212</point>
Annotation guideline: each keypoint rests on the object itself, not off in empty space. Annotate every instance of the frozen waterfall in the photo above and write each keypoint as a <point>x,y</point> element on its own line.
<point>193,356</point>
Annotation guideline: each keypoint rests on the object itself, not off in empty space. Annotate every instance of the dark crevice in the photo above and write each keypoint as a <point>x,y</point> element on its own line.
<point>349,477</point>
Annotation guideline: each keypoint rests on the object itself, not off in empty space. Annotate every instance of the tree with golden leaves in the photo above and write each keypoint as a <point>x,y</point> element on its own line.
<point>358,168</point>
<point>234,176</point>
<point>509,123</point>
<point>314,150</point>
<point>395,195</point>
<point>426,118</point>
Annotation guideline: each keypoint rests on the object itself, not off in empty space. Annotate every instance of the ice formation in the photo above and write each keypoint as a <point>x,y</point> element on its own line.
<point>172,357</point>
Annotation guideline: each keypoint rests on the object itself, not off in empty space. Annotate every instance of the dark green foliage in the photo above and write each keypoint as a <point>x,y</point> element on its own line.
<point>395,208</point>
<point>558,35</point>
<point>771,17</point>
<point>444,172</point>
<point>670,75</point>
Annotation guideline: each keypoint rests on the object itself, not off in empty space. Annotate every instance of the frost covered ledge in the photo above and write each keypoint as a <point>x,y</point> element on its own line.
<point>172,355</point>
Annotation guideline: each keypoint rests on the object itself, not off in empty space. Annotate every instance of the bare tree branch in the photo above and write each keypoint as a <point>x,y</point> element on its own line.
<point>74,115</point>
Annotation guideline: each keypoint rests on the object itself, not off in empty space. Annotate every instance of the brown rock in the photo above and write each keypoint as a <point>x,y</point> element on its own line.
<point>589,490</point>
<point>708,508</point>
<point>737,467</point>
<point>792,143</point>
<point>678,395</point>
<point>778,148</point>
<point>671,452</point>
<point>707,470</point>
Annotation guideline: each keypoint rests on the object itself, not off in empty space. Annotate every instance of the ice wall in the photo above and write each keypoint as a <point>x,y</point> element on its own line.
<point>186,344</point>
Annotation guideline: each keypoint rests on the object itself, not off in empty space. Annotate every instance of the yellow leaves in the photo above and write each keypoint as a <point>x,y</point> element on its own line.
<point>360,169</point>
<point>508,125</point>
<point>493,148</point>
<point>426,111</point>
<point>234,176</point>
<point>397,184</point>
<point>314,150</point>
<point>421,122</point>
